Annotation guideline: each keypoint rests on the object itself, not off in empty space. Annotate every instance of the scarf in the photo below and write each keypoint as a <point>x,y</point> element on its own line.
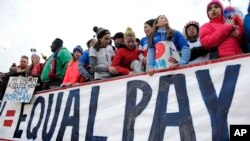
<point>36,69</point>
<point>52,71</point>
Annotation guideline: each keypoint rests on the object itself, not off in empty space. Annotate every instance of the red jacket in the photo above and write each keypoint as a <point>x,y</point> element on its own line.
<point>123,58</point>
<point>72,74</point>
<point>216,33</point>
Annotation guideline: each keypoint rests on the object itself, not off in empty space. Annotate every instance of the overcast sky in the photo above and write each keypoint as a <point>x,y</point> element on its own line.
<point>26,24</point>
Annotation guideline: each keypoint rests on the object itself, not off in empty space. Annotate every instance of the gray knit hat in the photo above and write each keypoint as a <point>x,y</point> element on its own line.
<point>100,32</point>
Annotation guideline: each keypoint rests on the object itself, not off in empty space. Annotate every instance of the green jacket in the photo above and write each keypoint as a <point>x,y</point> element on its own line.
<point>62,60</point>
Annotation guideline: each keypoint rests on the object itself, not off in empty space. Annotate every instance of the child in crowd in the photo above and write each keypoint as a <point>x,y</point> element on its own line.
<point>198,53</point>
<point>72,75</point>
<point>234,16</point>
<point>101,55</point>
<point>217,36</point>
<point>164,45</point>
<point>84,63</point>
<point>126,59</point>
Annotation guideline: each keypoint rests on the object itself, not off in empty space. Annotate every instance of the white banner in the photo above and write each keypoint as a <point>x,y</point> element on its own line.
<point>198,102</point>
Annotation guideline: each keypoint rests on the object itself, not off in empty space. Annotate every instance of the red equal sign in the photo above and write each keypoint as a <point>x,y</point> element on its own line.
<point>8,122</point>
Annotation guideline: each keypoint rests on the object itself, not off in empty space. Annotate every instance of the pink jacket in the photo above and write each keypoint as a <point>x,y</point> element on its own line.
<point>217,34</point>
<point>72,74</point>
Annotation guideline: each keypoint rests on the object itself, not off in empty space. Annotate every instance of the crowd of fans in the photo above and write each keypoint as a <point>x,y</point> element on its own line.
<point>226,34</point>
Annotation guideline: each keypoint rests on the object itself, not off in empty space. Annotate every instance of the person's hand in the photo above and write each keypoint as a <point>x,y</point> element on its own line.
<point>173,66</point>
<point>144,61</point>
<point>75,84</point>
<point>112,70</point>
<point>13,68</point>
<point>131,73</point>
<point>150,72</point>
<point>29,77</point>
<point>65,85</point>
<point>234,33</point>
<point>62,85</point>
<point>44,57</point>
<point>172,60</point>
<point>19,70</point>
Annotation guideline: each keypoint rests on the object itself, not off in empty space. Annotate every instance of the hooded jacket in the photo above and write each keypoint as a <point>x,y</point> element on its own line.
<point>216,34</point>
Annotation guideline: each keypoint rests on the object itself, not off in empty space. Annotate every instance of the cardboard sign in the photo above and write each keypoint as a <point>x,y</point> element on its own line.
<point>163,51</point>
<point>20,89</point>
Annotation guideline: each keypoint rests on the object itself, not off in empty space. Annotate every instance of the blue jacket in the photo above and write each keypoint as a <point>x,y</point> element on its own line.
<point>246,26</point>
<point>83,65</point>
<point>179,42</point>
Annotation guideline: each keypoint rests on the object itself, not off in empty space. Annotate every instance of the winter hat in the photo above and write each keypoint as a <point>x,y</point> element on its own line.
<point>129,33</point>
<point>232,11</point>
<point>58,42</point>
<point>78,48</point>
<point>118,35</point>
<point>100,32</point>
<point>150,22</point>
<point>215,2</point>
<point>194,23</point>
<point>34,55</point>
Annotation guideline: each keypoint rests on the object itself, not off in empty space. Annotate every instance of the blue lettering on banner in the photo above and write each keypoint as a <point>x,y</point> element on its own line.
<point>51,129</point>
<point>32,133</point>
<point>2,105</point>
<point>160,63</point>
<point>67,120</point>
<point>22,117</point>
<point>132,110</point>
<point>218,107</point>
<point>74,120</point>
<point>92,114</point>
<point>162,119</point>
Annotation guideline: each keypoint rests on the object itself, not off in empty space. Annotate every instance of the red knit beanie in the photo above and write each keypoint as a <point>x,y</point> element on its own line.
<point>218,3</point>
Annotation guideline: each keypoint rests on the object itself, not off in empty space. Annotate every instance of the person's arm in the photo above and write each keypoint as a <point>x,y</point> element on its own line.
<point>95,67</point>
<point>182,45</point>
<point>211,38</point>
<point>81,67</point>
<point>65,57</point>
<point>75,75</point>
<point>185,55</point>
<point>67,73</point>
<point>117,61</point>
<point>151,58</point>
<point>141,56</point>
<point>93,62</point>
<point>239,27</point>
<point>197,52</point>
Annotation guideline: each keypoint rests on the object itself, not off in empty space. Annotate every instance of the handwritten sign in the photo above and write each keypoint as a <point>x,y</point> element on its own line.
<point>20,89</point>
<point>163,51</point>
